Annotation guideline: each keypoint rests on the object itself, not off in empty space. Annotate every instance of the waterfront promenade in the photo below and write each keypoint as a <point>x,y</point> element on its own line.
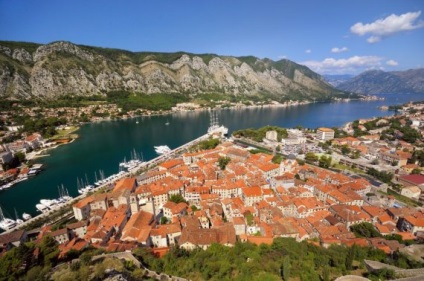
<point>134,171</point>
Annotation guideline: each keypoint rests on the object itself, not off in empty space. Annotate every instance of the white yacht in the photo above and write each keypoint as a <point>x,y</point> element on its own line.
<point>49,203</point>
<point>162,149</point>
<point>41,207</point>
<point>6,223</point>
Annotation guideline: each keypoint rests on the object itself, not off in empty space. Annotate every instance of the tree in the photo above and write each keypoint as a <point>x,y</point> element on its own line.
<point>223,162</point>
<point>208,144</point>
<point>416,171</point>
<point>365,229</point>
<point>163,220</point>
<point>324,161</point>
<point>374,162</point>
<point>345,150</point>
<point>326,273</point>
<point>249,218</point>
<point>310,156</point>
<point>177,198</point>
<point>194,208</point>
<point>277,159</point>
<point>356,154</point>
<point>349,257</point>
<point>383,176</point>
<point>285,268</point>
<point>20,156</point>
<point>49,250</point>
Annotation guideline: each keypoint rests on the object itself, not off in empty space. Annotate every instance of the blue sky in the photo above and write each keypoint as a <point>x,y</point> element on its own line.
<point>329,36</point>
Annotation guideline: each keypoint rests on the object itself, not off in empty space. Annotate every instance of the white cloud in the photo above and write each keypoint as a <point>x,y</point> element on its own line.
<point>355,64</point>
<point>339,50</point>
<point>392,62</point>
<point>374,39</point>
<point>390,25</point>
<point>282,57</point>
<point>308,51</point>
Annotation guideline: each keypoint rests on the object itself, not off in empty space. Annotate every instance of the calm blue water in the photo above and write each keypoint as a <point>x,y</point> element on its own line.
<point>102,146</point>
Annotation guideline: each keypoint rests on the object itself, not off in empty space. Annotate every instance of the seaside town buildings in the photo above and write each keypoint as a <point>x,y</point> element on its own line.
<point>253,199</point>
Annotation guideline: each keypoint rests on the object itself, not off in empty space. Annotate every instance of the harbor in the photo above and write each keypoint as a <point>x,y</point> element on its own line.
<point>65,201</point>
<point>102,146</point>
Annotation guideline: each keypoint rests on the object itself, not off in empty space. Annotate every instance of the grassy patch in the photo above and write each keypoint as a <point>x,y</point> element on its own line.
<point>65,133</point>
<point>344,167</point>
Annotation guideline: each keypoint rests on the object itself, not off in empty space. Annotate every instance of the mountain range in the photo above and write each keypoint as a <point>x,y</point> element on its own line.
<point>30,70</point>
<point>337,79</point>
<point>377,81</point>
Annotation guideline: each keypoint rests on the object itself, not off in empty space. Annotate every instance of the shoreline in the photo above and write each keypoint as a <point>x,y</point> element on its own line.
<point>171,112</point>
<point>39,153</point>
<point>236,107</point>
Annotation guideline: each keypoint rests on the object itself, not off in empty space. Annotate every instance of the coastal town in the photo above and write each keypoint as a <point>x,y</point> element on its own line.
<point>22,142</point>
<point>323,186</point>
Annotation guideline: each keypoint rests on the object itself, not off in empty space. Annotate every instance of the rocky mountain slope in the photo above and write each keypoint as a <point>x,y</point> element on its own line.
<point>377,81</point>
<point>30,70</point>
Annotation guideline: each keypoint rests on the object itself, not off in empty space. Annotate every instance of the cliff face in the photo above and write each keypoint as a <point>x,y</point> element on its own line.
<point>60,68</point>
<point>377,81</point>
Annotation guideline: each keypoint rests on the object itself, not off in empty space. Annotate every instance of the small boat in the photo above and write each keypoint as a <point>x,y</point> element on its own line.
<point>41,207</point>
<point>167,122</point>
<point>26,216</point>
<point>18,220</point>
<point>136,122</point>
<point>162,149</point>
<point>6,186</point>
<point>21,179</point>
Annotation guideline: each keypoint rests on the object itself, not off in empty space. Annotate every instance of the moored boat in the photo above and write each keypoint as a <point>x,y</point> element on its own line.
<point>41,207</point>
<point>162,149</point>
<point>6,223</point>
<point>26,216</point>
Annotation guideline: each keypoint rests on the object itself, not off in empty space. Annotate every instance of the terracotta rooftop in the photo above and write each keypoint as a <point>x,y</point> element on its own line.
<point>414,179</point>
<point>125,183</point>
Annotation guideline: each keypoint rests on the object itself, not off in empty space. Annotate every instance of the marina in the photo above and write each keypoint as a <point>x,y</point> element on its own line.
<point>46,206</point>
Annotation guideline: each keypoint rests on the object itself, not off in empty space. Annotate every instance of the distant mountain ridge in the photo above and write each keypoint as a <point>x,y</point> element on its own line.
<point>337,79</point>
<point>29,70</point>
<point>377,81</point>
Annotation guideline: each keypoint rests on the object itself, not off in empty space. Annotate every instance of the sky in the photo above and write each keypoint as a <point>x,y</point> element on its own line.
<point>328,36</point>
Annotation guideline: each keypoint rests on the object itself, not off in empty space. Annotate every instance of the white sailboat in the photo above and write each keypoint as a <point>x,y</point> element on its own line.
<point>134,162</point>
<point>18,220</point>
<point>215,127</point>
<point>6,223</point>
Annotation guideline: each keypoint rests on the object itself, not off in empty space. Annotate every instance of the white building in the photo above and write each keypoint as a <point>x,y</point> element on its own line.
<point>325,134</point>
